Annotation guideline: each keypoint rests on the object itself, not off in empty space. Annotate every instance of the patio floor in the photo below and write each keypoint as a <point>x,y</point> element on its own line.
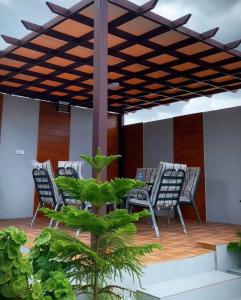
<point>201,238</point>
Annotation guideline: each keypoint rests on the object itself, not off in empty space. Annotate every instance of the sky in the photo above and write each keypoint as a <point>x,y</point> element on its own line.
<point>206,14</point>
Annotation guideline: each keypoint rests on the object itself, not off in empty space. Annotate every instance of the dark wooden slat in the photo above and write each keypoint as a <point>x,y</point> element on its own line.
<point>189,149</point>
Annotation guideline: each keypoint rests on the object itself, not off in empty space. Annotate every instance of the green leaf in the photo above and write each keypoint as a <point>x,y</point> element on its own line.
<point>99,162</point>
<point>18,236</point>
<point>122,186</point>
<point>43,238</point>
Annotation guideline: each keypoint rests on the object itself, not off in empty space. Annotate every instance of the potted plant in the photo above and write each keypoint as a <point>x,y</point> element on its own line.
<point>93,268</point>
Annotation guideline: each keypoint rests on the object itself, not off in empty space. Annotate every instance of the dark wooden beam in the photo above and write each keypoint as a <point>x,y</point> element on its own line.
<point>100,103</point>
<point>148,6</point>
<point>233,45</point>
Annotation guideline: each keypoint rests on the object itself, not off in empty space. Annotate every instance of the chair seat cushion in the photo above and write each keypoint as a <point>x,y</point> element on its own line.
<point>166,204</point>
<point>138,202</point>
<point>185,200</point>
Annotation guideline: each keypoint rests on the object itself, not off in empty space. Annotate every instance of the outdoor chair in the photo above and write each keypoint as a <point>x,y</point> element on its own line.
<point>46,189</point>
<point>76,166</point>
<point>72,169</point>
<point>165,193</point>
<point>189,189</point>
<point>148,176</point>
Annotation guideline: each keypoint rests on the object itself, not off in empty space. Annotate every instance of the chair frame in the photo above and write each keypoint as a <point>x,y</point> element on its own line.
<point>169,178</point>
<point>191,195</point>
<point>55,203</point>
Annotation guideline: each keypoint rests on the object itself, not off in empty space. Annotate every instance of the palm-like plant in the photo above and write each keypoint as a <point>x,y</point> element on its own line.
<point>93,268</point>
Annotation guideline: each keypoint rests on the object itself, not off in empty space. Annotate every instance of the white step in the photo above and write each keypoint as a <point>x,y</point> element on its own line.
<point>209,286</point>
<point>157,273</point>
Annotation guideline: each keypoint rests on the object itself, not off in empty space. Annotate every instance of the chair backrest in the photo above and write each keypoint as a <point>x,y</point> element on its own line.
<point>44,187</point>
<point>77,166</point>
<point>68,172</point>
<point>160,170</point>
<point>48,167</point>
<point>191,180</point>
<point>148,176</point>
<point>170,187</point>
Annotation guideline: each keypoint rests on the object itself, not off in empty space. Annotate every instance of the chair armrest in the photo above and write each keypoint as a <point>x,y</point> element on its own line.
<point>139,194</point>
<point>186,193</point>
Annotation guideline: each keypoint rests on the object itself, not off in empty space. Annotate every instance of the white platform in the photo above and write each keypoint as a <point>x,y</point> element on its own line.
<point>209,286</point>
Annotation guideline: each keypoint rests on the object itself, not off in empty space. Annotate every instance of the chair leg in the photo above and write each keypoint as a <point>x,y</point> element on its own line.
<point>154,223</point>
<point>51,221</point>
<point>168,217</point>
<point>196,211</point>
<point>181,219</point>
<point>35,215</point>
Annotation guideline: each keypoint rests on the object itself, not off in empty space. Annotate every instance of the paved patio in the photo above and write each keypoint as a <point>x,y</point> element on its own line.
<point>201,238</point>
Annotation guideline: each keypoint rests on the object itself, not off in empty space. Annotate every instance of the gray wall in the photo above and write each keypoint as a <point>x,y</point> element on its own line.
<point>81,135</point>
<point>158,142</point>
<point>19,132</point>
<point>222,139</point>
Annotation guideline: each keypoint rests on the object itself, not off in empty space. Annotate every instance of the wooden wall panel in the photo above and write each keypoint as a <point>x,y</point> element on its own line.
<point>113,144</point>
<point>53,135</point>
<point>133,149</point>
<point>1,111</point>
<point>189,149</point>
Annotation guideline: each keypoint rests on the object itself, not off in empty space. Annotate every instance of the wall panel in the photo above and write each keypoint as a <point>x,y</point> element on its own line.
<point>54,133</point>
<point>158,142</point>
<point>19,132</point>
<point>222,133</point>
<point>189,149</point>
<point>133,149</point>
<point>81,136</point>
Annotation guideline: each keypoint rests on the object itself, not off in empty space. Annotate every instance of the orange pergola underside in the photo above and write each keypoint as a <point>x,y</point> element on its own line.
<point>152,61</point>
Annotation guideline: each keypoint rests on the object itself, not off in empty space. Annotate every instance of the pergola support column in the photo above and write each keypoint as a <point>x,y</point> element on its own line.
<point>100,92</point>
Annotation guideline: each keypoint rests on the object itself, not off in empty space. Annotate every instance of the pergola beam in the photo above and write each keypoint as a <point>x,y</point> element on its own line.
<point>100,92</point>
<point>148,6</point>
<point>233,45</point>
<point>209,34</point>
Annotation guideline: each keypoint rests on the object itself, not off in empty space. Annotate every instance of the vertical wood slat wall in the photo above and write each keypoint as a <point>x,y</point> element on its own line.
<point>189,149</point>
<point>1,111</point>
<point>133,149</point>
<point>53,135</point>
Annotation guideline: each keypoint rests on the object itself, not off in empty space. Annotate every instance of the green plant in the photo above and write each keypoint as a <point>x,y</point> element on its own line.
<point>17,279</point>
<point>92,268</point>
<point>15,269</point>
<point>235,246</point>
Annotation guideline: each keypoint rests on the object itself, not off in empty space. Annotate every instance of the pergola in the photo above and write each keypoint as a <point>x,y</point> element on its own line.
<point>113,55</point>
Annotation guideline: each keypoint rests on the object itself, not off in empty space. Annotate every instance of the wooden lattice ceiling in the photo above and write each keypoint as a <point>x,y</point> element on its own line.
<point>152,61</point>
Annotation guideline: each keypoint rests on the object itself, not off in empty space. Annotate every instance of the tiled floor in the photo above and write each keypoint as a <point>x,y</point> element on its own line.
<point>175,244</point>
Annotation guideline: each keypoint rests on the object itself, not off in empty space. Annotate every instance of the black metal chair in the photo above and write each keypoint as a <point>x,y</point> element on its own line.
<point>46,192</point>
<point>165,194</point>
<point>67,199</point>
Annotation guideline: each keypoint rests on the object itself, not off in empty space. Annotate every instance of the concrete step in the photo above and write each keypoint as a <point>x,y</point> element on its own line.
<point>208,285</point>
<point>159,272</point>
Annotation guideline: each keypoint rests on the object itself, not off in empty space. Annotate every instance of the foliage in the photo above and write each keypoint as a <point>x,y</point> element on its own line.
<point>17,279</point>
<point>94,268</point>
<point>235,246</point>
<point>15,269</point>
